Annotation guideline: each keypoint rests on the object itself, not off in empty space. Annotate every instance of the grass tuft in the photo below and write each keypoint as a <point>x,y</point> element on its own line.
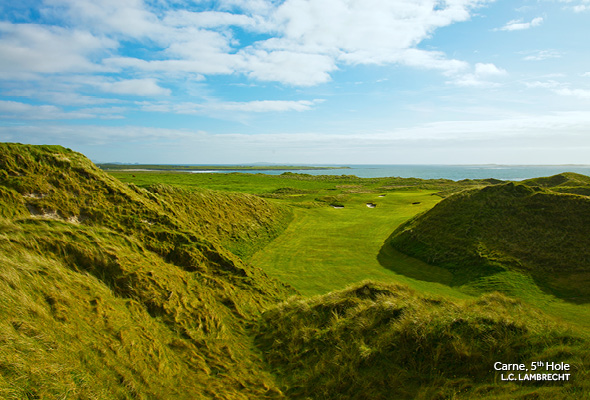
<point>383,341</point>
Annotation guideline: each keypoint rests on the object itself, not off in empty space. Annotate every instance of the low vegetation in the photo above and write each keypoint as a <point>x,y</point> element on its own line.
<point>160,285</point>
<point>567,182</point>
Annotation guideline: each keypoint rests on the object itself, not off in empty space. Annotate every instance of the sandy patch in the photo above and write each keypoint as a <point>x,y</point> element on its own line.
<point>34,195</point>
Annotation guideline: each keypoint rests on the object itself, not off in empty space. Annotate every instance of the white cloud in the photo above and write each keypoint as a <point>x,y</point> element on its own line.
<point>367,32</point>
<point>308,39</point>
<point>559,88</point>
<point>369,25</point>
<point>483,75</point>
<point>551,84</point>
<point>541,55</point>
<point>518,24</point>
<point>293,68</point>
<point>433,60</point>
<point>18,110</point>
<point>259,106</point>
<point>416,58</point>
<point>135,87</point>
<point>67,135</point>
<point>264,106</point>
<point>578,5</point>
<point>531,138</point>
<point>30,49</point>
<point>580,93</point>
<point>487,70</point>
<point>130,18</point>
<point>65,97</point>
<point>207,19</point>
<point>218,63</point>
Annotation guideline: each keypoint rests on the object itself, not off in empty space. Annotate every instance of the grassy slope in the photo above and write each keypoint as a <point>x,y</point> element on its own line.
<point>112,291</point>
<point>243,223</point>
<point>509,227</point>
<point>567,182</point>
<point>379,341</point>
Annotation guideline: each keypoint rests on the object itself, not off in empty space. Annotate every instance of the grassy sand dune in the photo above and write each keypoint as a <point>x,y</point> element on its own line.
<point>112,291</point>
<point>511,227</point>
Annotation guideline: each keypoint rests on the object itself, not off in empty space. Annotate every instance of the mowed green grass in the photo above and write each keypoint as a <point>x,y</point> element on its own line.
<point>326,249</point>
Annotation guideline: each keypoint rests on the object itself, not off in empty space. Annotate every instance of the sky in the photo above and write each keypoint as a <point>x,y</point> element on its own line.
<point>299,81</point>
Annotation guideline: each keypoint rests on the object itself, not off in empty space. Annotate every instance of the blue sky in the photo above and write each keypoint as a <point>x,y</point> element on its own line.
<point>299,81</point>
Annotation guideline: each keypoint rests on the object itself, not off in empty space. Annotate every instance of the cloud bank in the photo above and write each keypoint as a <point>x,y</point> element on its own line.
<point>296,42</point>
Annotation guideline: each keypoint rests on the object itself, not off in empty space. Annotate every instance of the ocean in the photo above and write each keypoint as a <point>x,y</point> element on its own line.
<point>453,172</point>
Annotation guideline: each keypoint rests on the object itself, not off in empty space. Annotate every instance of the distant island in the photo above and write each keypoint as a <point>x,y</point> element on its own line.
<point>168,167</point>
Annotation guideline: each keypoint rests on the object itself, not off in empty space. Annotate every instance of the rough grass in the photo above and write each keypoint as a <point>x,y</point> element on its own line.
<point>567,182</point>
<point>243,223</point>
<point>109,291</point>
<point>380,341</point>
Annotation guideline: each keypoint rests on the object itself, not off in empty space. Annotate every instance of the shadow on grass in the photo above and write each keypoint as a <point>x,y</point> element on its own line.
<point>403,264</point>
<point>572,288</point>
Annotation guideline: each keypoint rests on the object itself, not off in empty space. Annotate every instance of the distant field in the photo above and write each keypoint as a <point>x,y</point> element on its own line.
<point>167,167</point>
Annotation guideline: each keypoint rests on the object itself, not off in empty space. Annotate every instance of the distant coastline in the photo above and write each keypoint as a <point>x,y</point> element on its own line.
<point>189,168</point>
<point>452,172</point>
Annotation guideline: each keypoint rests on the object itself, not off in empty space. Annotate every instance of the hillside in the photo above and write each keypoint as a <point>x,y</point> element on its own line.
<point>111,291</point>
<point>481,232</point>
<point>383,341</point>
<point>567,182</point>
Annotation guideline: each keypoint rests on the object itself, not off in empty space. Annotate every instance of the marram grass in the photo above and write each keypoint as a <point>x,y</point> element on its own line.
<point>384,341</point>
<point>114,292</point>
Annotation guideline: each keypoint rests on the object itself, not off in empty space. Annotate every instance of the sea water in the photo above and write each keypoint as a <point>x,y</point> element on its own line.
<point>453,172</point>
